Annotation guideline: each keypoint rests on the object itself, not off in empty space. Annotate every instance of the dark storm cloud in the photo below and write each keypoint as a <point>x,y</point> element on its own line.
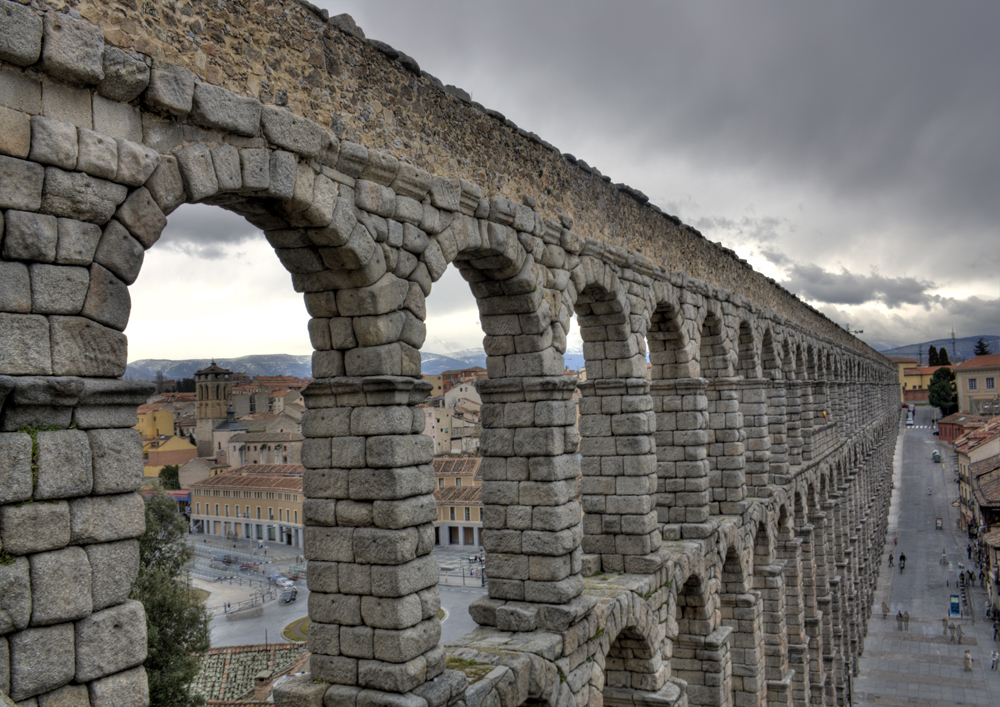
<point>887,109</point>
<point>207,232</point>
<point>812,282</point>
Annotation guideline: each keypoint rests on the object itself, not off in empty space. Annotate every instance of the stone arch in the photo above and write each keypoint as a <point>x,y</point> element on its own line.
<point>750,352</point>
<point>741,610</point>
<point>699,639</point>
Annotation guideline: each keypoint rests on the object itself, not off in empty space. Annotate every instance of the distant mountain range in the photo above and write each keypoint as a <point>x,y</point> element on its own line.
<point>301,366</point>
<point>963,348</point>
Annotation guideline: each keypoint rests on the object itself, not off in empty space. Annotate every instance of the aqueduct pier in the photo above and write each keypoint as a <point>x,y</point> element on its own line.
<point>707,533</point>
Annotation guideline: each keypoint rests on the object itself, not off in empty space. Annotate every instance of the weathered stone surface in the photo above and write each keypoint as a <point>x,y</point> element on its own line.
<point>110,641</point>
<point>15,133</point>
<point>82,347</point>
<point>114,567</point>
<point>386,295</point>
<point>200,181</point>
<point>20,34</point>
<point>352,159</point>
<point>226,160</point>
<point>77,242</point>
<point>97,154</point>
<point>80,196</point>
<point>66,696</point>
<point>166,184</point>
<point>136,163</point>
<point>41,659</point>
<point>60,586</point>
<point>142,217</point>
<point>129,687</point>
<point>20,184</point>
<point>69,104</point>
<point>215,107</point>
<point>108,301</point>
<point>64,464</point>
<point>171,88</point>
<point>15,288</point>
<point>58,289</point>
<point>119,252</point>
<point>101,519</point>
<point>20,91</point>
<point>119,121</point>
<point>26,349</point>
<point>30,236</point>
<point>255,169</point>
<point>72,49</point>
<point>124,77</point>
<point>301,691</point>
<point>117,460</point>
<point>289,131</point>
<point>15,595</point>
<point>15,466</point>
<point>53,142</point>
<point>283,173</point>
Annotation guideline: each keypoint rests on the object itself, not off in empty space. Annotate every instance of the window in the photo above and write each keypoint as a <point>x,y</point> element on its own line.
<point>458,482</point>
<point>270,514</point>
<point>989,384</point>
<point>480,514</point>
<point>468,513</point>
<point>280,514</point>
<point>258,512</point>
<point>972,384</point>
<point>227,510</point>
<point>216,509</point>
<point>440,483</point>
<point>197,508</point>
<point>296,517</point>
<point>452,516</point>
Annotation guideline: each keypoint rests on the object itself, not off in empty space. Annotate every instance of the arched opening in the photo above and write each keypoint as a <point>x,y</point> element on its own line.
<point>742,611</point>
<point>702,646</point>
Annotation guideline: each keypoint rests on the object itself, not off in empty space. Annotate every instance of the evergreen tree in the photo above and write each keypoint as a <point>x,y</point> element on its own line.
<point>176,623</point>
<point>168,477</point>
<point>932,356</point>
<point>982,348</point>
<point>943,357</point>
<point>941,391</point>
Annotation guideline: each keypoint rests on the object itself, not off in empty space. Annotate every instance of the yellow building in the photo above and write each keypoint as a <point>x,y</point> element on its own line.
<point>916,382</point>
<point>902,363</point>
<point>976,381</point>
<point>437,385</point>
<point>258,502</point>
<point>459,501</point>
<point>163,451</point>
<point>155,421</point>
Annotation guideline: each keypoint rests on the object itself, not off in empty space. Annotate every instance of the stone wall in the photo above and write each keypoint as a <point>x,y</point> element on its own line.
<point>710,532</point>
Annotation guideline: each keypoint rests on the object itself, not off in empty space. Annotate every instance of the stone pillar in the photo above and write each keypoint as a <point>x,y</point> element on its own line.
<point>769,581</point>
<point>790,551</point>
<point>753,403</point>
<point>726,447</point>
<point>793,413</point>
<point>824,598</point>
<point>532,526</point>
<point>806,420</point>
<point>744,613</point>
<point>369,530</point>
<point>777,420</point>
<point>813,619</point>
<point>682,468</point>
<point>616,427</point>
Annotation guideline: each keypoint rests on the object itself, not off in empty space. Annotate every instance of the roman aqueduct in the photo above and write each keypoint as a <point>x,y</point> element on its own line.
<point>708,534</point>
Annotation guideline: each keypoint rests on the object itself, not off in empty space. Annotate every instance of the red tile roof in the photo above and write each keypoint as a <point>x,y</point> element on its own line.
<point>458,466</point>
<point>467,495</point>
<point>283,477</point>
<point>988,361</point>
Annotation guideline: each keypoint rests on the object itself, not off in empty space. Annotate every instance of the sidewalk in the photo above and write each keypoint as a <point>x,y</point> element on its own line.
<point>921,667</point>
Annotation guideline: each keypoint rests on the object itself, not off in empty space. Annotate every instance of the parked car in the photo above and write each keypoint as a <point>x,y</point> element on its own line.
<point>281,580</point>
<point>223,558</point>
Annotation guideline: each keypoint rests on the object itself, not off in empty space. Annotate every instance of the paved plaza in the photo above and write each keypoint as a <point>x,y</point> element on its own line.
<point>921,667</point>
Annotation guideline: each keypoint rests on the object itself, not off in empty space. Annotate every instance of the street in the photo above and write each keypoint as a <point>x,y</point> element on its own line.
<point>455,600</point>
<point>921,667</point>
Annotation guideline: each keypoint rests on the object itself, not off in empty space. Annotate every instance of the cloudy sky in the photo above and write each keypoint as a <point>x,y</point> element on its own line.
<point>850,150</point>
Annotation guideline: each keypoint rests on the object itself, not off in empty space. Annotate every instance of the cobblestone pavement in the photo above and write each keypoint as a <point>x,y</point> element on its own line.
<point>921,667</point>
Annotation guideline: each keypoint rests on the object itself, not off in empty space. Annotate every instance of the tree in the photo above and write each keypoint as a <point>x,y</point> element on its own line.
<point>932,356</point>
<point>943,357</point>
<point>168,477</point>
<point>176,623</point>
<point>982,348</point>
<point>186,385</point>
<point>941,391</point>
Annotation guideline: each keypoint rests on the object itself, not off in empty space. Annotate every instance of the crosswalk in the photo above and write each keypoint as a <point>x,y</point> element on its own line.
<point>920,427</point>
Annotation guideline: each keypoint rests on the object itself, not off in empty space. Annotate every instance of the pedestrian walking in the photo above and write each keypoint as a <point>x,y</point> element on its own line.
<point>982,579</point>
<point>899,620</point>
<point>968,662</point>
<point>885,611</point>
<point>959,633</point>
<point>996,629</point>
<point>944,624</point>
<point>994,658</point>
<point>951,627</point>
<point>906,620</point>
<point>890,559</point>
<point>968,551</point>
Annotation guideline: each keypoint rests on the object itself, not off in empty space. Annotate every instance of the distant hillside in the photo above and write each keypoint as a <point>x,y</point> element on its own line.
<point>963,348</point>
<point>301,366</point>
